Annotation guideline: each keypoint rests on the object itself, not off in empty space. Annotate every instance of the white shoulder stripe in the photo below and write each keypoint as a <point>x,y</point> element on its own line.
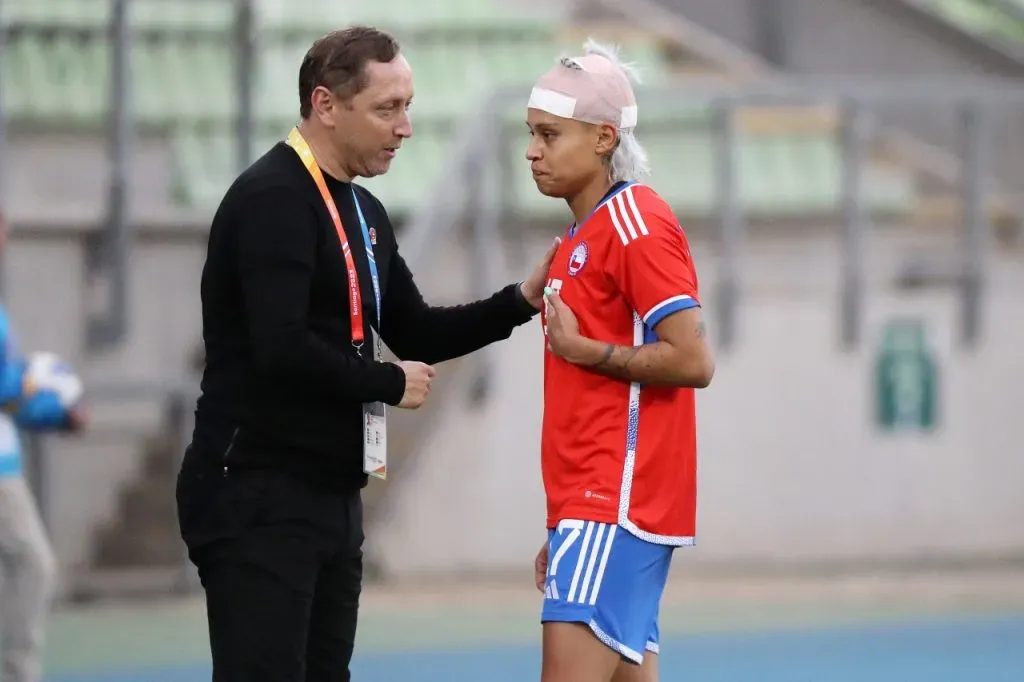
<point>637,216</point>
<point>626,216</point>
<point>615,221</point>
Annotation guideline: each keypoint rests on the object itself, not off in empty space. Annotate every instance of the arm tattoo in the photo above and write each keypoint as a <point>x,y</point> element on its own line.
<point>654,363</point>
<point>608,352</point>
<point>617,357</point>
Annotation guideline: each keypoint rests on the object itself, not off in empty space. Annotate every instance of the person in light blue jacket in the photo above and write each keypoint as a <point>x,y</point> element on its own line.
<point>26,557</point>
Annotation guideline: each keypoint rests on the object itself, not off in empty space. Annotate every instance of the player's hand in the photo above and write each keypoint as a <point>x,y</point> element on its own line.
<point>417,383</point>
<point>540,567</point>
<point>533,287</point>
<point>77,420</point>
<point>563,329</point>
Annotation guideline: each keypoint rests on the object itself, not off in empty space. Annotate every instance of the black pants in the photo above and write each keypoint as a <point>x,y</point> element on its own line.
<point>281,563</point>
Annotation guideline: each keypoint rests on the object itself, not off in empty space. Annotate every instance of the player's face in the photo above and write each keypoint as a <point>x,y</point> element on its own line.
<point>370,127</point>
<point>565,155</point>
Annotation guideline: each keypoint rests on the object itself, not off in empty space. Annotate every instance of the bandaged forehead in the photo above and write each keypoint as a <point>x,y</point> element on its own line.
<point>590,89</point>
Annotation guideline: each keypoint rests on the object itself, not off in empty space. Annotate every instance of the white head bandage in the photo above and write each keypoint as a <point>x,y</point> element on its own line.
<point>591,88</point>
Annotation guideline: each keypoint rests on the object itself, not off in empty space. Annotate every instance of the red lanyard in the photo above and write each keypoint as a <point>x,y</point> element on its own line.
<point>355,299</point>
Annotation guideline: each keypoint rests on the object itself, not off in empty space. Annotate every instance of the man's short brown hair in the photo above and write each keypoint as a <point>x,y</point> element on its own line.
<point>338,62</point>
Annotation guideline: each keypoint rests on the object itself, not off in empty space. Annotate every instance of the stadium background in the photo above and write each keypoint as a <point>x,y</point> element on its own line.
<point>851,175</point>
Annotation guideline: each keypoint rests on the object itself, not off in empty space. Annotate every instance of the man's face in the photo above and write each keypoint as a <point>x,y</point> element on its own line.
<point>370,127</point>
<point>565,155</point>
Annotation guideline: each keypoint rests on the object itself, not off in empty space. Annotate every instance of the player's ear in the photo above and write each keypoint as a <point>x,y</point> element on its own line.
<point>607,138</point>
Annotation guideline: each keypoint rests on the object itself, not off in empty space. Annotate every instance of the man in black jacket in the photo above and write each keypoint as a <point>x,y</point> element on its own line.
<point>302,271</point>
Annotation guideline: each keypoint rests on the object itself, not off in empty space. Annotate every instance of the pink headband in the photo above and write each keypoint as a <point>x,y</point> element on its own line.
<point>590,89</point>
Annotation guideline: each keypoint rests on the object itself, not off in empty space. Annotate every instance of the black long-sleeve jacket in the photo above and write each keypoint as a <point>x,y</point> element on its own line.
<point>283,385</point>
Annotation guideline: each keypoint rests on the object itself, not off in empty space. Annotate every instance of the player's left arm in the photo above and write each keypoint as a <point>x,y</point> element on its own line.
<point>656,277</point>
<point>42,411</point>
<point>32,408</point>
<point>680,357</point>
<point>12,369</point>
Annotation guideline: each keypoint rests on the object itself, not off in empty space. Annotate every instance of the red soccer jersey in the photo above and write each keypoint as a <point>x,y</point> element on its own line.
<point>612,451</point>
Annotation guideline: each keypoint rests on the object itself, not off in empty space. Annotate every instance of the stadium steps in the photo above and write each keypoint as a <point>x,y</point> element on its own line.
<point>142,533</point>
<point>144,530</point>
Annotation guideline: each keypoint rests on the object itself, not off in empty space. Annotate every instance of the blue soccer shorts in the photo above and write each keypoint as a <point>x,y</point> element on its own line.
<point>609,579</point>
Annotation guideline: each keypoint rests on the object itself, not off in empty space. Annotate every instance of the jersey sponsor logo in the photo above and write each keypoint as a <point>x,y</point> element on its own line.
<point>578,258</point>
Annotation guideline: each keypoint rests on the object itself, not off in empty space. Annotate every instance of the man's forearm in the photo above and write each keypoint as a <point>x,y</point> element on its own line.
<point>436,334</point>
<point>300,359</point>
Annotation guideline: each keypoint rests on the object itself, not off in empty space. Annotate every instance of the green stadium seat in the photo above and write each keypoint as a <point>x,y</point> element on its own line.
<point>80,14</point>
<point>177,82</point>
<point>21,68</point>
<point>414,173</point>
<point>213,16</point>
<point>183,81</point>
<point>58,81</point>
<point>276,87</point>
<point>304,17</point>
<point>403,16</point>
<point>206,163</point>
<point>162,15</point>
<point>58,65</point>
<point>776,174</point>
<point>982,18</point>
<point>66,81</point>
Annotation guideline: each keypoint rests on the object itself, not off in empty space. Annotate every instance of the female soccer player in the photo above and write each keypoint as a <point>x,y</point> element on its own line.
<point>626,348</point>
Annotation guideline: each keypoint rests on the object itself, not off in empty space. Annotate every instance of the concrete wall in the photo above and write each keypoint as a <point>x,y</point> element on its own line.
<point>791,468</point>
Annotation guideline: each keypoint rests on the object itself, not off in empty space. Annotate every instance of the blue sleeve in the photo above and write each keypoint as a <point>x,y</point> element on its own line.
<point>4,337</point>
<point>12,367</point>
<point>672,305</point>
<point>42,411</point>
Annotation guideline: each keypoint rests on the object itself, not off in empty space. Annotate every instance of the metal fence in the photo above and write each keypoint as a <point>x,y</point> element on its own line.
<point>974,102</point>
<point>474,189</point>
